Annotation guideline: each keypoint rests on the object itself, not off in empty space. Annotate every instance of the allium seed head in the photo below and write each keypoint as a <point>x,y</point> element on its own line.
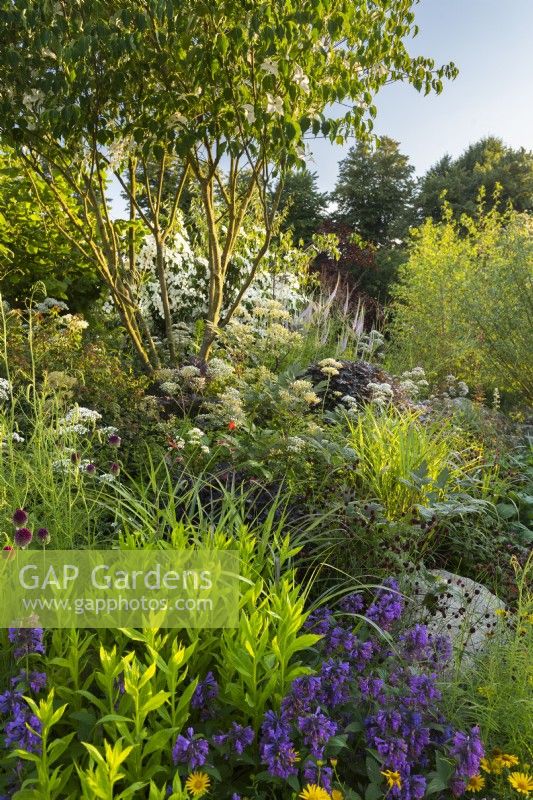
<point>43,535</point>
<point>20,517</point>
<point>23,537</point>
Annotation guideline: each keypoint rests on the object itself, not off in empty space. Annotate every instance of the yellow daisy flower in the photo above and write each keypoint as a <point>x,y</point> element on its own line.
<point>313,792</point>
<point>485,765</point>
<point>198,784</point>
<point>522,782</point>
<point>392,778</point>
<point>496,765</point>
<point>475,784</point>
<point>508,760</point>
<point>336,795</point>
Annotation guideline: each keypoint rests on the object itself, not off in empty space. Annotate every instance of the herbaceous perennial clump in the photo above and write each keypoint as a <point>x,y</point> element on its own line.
<point>366,693</point>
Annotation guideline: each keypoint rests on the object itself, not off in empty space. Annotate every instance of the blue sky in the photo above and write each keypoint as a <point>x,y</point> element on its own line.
<point>491,41</point>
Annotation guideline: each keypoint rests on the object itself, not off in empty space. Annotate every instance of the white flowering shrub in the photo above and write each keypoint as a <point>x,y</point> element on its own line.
<point>280,278</point>
<point>187,279</point>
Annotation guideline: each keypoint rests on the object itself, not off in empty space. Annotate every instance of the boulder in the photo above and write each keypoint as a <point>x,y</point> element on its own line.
<point>461,608</point>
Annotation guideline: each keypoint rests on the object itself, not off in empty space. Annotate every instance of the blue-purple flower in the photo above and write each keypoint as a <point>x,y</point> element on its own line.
<point>26,641</point>
<point>238,738</point>
<point>388,606</point>
<point>316,729</point>
<point>190,749</point>
<point>276,748</point>
<point>206,691</point>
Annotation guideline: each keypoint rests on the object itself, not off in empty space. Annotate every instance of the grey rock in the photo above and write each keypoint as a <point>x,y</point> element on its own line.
<point>459,607</point>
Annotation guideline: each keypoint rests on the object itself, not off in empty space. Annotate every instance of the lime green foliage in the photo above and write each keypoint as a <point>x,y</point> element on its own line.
<point>49,782</point>
<point>136,691</point>
<point>464,302</point>
<point>404,462</point>
<point>128,692</point>
<point>32,248</point>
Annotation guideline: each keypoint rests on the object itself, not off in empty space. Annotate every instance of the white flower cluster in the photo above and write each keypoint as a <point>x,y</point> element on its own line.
<point>192,376</point>
<point>118,152</point>
<point>413,382</point>
<point>228,407</point>
<point>172,381</point>
<point>455,388</point>
<point>299,393</point>
<point>169,387</point>
<point>51,304</point>
<point>5,390</point>
<point>187,279</point>
<point>219,370</point>
<point>271,310</point>
<point>285,290</point>
<point>370,343</point>
<point>14,437</point>
<point>295,444</point>
<point>74,323</point>
<point>350,404</point>
<point>381,393</point>
<point>330,367</point>
<point>78,420</point>
<point>197,438</point>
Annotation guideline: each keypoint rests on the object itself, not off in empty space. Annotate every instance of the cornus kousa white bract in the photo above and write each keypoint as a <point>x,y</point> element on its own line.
<point>187,277</point>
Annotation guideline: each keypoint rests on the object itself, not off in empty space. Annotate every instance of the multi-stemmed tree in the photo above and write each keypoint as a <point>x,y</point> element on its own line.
<point>230,90</point>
